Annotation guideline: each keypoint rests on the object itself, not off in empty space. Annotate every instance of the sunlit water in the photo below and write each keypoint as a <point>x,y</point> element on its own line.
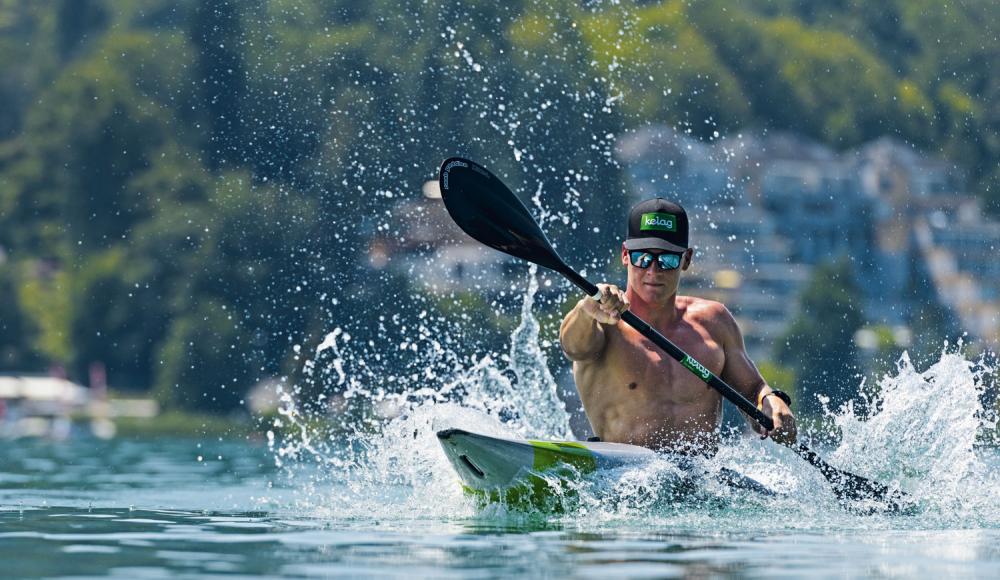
<point>150,509</point>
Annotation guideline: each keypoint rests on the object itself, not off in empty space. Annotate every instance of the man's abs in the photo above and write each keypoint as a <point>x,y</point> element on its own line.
<point>638,395</point>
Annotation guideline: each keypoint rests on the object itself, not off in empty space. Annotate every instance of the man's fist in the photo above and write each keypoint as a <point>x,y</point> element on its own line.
<point>609,308</point>
<point>784,431</point>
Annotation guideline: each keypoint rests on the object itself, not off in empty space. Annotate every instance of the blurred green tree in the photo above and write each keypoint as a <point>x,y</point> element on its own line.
<point>18,336</point>
<point>216,35</point>
<point>819,343</point>
<point>76,22</point>
<point>239,291</point>
<point>68,173</point>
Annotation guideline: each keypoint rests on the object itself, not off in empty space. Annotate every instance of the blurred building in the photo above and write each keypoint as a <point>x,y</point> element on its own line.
<point>924,219</point>
<point>661,162</point>
<point>903,187</point>
<point>960,252</point>
<point>428,248</point>
<point>818,206</point>
<point>39,406</point>
<point>56,408</point>
<point>741,261</point>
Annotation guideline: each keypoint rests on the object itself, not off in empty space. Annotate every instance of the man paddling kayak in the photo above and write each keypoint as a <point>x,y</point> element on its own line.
<point>631,390</point>
<point>487,210</point>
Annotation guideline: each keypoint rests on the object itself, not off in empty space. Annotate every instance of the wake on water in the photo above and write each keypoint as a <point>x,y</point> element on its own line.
<point>385,462</point>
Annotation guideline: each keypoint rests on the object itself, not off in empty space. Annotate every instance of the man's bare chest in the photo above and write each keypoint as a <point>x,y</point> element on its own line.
<point>645,363</point>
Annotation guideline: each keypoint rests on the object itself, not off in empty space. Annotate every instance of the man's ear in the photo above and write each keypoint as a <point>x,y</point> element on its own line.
<point>686,259</point>
<point>624,256</point>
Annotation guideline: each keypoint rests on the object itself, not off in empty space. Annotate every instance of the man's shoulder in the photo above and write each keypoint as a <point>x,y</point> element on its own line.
<point>711,314</point>
<point>703,308</point>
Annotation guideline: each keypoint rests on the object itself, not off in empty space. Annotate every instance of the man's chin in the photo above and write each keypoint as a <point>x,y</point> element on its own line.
<point>654,292</point>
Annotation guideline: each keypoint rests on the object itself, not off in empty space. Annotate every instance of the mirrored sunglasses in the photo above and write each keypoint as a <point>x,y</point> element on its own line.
<point>643,259</point>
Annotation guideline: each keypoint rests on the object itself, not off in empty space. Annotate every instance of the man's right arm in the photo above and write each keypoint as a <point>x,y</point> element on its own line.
<point>582,333</point>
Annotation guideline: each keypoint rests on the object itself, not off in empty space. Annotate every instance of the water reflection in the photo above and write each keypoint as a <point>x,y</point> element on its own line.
<point>160,542</point>
<point>152,510</point>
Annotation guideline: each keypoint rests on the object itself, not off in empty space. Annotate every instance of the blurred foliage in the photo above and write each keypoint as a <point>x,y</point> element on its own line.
<point>18,334</point>
<point>819,343</point>
<point>189,188</point>
<point>779,377</point>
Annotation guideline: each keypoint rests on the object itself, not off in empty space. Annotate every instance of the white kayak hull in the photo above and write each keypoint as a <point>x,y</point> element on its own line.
<point>493,466</point>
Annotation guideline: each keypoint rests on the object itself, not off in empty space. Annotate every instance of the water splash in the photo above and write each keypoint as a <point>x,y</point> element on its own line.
<point>921,432</point>
<point>385,443</point>
<point>541,413</point>
<point>907,437</point>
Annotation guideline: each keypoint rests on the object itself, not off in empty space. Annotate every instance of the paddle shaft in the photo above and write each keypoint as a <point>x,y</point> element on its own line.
<point>675,352</point>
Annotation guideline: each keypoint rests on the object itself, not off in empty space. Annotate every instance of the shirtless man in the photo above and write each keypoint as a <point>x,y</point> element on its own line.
<point>632,391</point>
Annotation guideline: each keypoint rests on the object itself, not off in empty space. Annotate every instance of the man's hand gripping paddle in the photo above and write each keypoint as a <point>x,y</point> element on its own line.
<point>489,212</point>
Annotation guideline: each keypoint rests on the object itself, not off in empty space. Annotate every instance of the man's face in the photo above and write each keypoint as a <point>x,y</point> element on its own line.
<point>654,284</point>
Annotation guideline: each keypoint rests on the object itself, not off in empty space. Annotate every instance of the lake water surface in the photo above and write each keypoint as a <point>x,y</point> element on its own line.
<point>152,509</point>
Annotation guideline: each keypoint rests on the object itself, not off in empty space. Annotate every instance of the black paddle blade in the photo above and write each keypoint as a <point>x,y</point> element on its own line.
<point>857,493</point>
<point>489,212</point>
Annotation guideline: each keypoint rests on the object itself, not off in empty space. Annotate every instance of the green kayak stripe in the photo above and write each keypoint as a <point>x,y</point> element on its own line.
<point>564,459</point>
<point>549,454</point>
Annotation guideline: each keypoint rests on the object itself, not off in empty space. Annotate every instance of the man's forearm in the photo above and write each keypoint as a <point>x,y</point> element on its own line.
<point>581,336</point>
<point>760,392</point>
<point>754,393</point>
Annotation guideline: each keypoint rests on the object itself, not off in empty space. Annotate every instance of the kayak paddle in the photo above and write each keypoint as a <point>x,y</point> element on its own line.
<point>488,211</point>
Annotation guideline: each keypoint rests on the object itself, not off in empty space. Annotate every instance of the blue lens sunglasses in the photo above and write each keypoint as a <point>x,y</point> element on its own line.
<point>643,259</point>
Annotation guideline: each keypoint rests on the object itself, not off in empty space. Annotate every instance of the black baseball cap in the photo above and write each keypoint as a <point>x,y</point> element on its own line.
<point>657,224</point>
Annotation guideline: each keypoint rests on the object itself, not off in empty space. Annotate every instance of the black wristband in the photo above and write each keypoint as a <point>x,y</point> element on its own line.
<point>780,394</point>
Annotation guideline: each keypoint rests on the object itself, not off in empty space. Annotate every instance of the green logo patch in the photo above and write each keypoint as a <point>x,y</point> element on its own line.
<point>666,222</point>
<point>697,368</point>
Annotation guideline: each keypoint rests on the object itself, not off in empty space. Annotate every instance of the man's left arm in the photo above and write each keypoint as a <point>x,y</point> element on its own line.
<point>740,372</point>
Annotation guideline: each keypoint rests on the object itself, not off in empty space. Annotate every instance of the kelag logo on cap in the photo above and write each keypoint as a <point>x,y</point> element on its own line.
<point>666,222</point>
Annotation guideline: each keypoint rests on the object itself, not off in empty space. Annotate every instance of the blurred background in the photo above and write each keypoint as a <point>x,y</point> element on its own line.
<point>193,194</point>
